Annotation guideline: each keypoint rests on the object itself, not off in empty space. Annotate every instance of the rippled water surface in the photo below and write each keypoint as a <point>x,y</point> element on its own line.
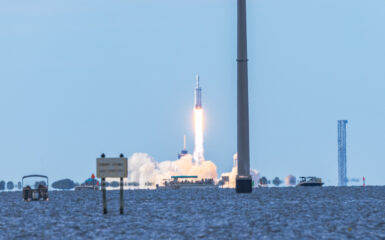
<point>270,213</point>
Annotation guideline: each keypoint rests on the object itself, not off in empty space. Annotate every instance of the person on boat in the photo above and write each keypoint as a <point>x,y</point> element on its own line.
<point>27,193</point>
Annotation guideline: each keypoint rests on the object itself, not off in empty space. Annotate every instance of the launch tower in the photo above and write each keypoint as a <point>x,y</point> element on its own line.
<point>342,177</point>
<point>184,150</point>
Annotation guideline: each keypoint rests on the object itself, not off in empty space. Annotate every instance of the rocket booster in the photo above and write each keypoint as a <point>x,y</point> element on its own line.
<point>198,94</point>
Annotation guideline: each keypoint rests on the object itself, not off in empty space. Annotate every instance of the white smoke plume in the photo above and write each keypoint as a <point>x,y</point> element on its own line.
<point>232,176</point>
<point>144,169</point>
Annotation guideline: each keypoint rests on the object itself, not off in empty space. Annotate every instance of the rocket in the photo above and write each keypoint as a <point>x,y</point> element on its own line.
<point>198,94</point>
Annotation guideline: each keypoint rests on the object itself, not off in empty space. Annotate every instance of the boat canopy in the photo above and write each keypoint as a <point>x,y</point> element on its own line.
<point>35,175</point>
<point>176,177</point>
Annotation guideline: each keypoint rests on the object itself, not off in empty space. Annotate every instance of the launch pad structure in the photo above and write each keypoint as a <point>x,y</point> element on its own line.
<point>243,181</point>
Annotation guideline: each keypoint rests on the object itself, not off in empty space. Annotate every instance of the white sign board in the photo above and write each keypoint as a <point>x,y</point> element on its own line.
<point>111,167</point>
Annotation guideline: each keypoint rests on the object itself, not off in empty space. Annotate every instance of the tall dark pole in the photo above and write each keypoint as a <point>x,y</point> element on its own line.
<point>104,195</point>
<point>243,182</point>
<point>104,191</point>
<point>121,196</point>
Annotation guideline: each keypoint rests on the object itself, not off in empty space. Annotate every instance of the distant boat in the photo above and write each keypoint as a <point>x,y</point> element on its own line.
<point>179,182</point>
<point>263,182</point>
<point>87,187</point>
<point>90,184</point>
<point>38,190</point>
<point>310,182</point>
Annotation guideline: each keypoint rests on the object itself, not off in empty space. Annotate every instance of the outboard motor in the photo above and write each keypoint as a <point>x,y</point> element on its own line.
<point>27,193</point>
<point>35,195</point>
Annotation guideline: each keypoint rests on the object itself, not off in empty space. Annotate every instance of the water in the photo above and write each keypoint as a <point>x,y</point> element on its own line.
<point>270,213</point>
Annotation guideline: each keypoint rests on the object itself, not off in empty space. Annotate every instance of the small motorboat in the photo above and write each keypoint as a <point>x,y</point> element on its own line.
<point>90,184</point>
<point>87,187</point>
<point>179,182</point>
<point>310,182</point>
<point>37,189</point>
<point>263,182</point>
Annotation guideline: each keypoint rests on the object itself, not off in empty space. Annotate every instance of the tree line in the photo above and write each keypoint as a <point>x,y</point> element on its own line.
<point>64,184</point>
<point>9,185</point>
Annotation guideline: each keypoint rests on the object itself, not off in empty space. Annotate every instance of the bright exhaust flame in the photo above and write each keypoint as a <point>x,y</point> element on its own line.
<point>198,129</point>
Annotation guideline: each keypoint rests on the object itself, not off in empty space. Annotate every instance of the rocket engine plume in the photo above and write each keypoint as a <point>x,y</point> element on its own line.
<point>198,125</point>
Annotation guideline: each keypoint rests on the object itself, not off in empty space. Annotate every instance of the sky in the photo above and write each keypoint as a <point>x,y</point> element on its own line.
<point>83,77</point>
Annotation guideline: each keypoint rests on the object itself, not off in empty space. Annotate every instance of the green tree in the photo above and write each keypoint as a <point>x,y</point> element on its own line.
<point>10,185</point>
<point>64,184</point>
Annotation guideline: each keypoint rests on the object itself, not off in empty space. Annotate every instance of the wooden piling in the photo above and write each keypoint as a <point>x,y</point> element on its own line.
<point>121,196</point>
<point>104,196</point>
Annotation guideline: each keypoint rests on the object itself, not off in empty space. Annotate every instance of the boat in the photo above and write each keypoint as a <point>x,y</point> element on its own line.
<point>310,182</point>
<point>263,182</point>
<point>36,189</point>
<point>90,184</point>
<point>86,187</point>
<point>183,182</point>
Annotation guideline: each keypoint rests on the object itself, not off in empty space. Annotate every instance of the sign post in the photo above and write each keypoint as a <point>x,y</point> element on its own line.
<point>111,168</point>
<point>104,196</point>
<point>121,196</point>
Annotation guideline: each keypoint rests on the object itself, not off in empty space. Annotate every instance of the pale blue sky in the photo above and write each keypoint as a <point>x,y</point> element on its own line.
<point>82,77</point>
